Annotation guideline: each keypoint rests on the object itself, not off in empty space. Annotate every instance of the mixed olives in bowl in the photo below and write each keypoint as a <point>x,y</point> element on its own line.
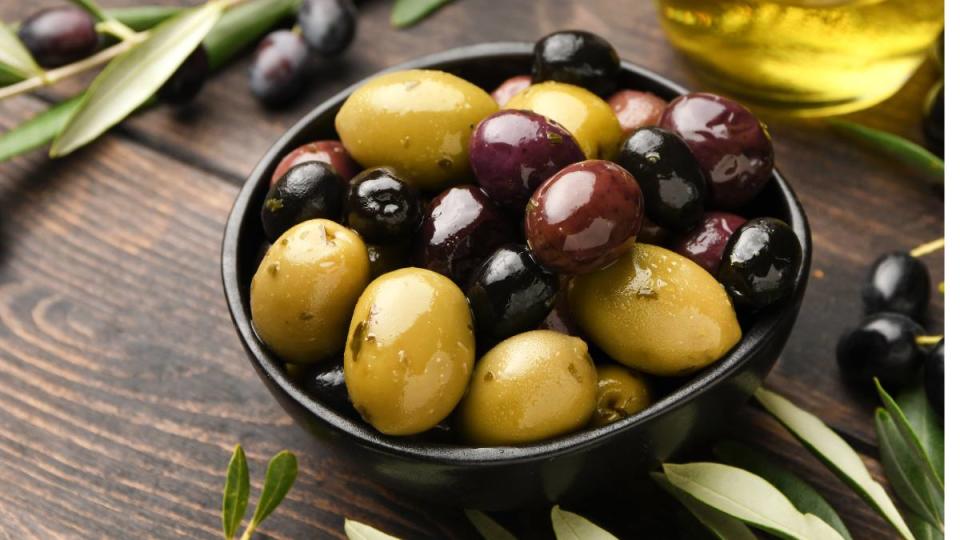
<point>506,332</point>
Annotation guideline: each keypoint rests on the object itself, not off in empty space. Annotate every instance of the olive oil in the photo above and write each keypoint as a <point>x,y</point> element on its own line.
<point>809,57</point>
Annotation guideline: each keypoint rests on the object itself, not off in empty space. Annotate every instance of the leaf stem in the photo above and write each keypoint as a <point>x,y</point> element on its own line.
<point>926,249</point>
<point>928,340</point>
<point>116,29</point>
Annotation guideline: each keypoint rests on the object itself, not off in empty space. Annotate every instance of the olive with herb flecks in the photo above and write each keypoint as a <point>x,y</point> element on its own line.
<point>279,67</point>
<point>509,88</point>
<point>761,263</point>
<point>635,109</point>
<point>621,393</point>
<point>59,35</point>
<point>381,206</point>
<point>897,282</point>
<point>310,190</point>
<point>330,152</point>
<point>706,243</point>
<point>328,26</point>
<point>933,376</point>
<point>883,346</point>
<point>579,58</point>
<point>187,81</point>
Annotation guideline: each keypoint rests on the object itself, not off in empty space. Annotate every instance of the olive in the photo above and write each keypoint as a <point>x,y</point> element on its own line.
<point>416,121</point>
<point>673,187</point>
<point>187,81</point>
<point>326,384</point>
<point>512,152</point>
<point>510,293</point>
<point>387,258</point>
<point>461,229</point>
<point>584,217</point>
<point>59,35</point>
<point>706,243</point>
<point>305,288</point>
<point>883,346</point>
<point>655,311</point>
<point>577,57</point>
<point>330,152</point>
<point>900,283</point>
<point>586,116</point>
<point>933,375</point>
<point>381,206</point>
<point>510,88</point>
<point>409,352</point>
<point>933,109</point>
<point>635,109</point>
<point>761,262</point>
<point>530,387</point>
<point>732,146</point>
<point>652,233</point>
<point>328,26</point>
<point>622,393</point>
<point>308,191</point>
<point>279,67</point>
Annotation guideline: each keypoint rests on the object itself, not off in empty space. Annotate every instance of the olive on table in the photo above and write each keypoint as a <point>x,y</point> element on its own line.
<point>530,387</point>
<point>279,68</point>
<point>510,88</point>
<point>587,117</point>
<point>732,146</point>
<point>187,81</point>
<point>416,121</point>
<point>381,206</point>
<point>304,291</point>
<point>330,152</point>
<point>883,346</point>
<point>59,35</point>
<point>761,262</point>
<point>409,352</point>
<point>635,109</point>
<point>328,26</point>
<point>706,243</point>
<point>674,191</point>
<point>584,217</point>
<point>461,228</point>
<point>510,293</point>
<point>512,152</point>
<point>310,190</point>
<point>897,282</point>
<point>622,393</point>
<point>577,57</point>
<point>385,258</point>
<point>655,311</point>
<point>933,376</point>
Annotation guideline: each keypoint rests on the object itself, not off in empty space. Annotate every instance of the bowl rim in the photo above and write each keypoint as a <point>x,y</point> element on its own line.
<point>760,333</point>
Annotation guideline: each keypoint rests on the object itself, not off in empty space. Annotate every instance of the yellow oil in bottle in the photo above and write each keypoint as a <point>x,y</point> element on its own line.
<point>807,57</point>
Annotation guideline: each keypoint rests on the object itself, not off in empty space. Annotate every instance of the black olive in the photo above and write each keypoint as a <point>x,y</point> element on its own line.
<point>279,67</point>
<point>381,206</point>
<point>328,26</point>
<point>387,258</point>
<point>933,119</point>
<point>326,384</point>
<point>187,81</point>
<point>761,263</point>
<point>510,293</point>
<point>933,377</point>
<point>673,186</point>
<point>311,190</point>
<point>883,346</point>
<point>897,282</point>
<point>59,35</point>
<point>579,58</point>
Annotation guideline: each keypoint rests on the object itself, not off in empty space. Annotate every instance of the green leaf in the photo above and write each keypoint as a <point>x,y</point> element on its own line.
<point>37,131</point>
<point>905,151</point>
<point>140,18</point>
<point>409,12</point>
<point>360,531</point>
<point>910,437</point>
<point>8,75</point>
<point>236,493</point>
<point>281,473</point>
<point>925,423</point>
<point>905,472</point>
<point>487,527</point>
<point>835,453</point>
<point>133,77</point>
<point>921,529</point>
<point>92,8</point>
<point>800,493</point>
<point>722,526</point>
<point>14,56</point>
<point>747,497</point>
<point>570,526</point>
<point>243,25</point>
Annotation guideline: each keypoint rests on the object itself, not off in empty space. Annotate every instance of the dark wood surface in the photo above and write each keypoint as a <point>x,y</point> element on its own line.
<point>123,387</point>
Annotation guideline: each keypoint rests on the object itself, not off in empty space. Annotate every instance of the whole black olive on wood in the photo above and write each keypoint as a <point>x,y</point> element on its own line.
<point>59,35</point>
<point>187,81</point>
<point>310,190</point>
<point>579,58</point>
<point>279,67</point>
<point>883,346</point>
<point>510,293</point>
<point>933,375</point>
<point>381,206</point>
<point>328,26</point>
<point>761,263</point>
<point>933,119</point>
<point>674,190</point>
<point>897,282</point>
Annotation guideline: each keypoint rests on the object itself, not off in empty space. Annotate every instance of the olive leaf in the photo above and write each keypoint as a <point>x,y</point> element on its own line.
<point>835,453</point>
<point>487,527</point>
<point>14,57</point>
<point>133,77</point>
<point>38,130</point>
<point>409,12</point>
<point>92,8</point>
<point>921,529</point>
<point>570,526</point>
<point>906,151</point>
<point>236,493</point>
<point>8,75</point>
<point>800,493</point>
<point>139,18</point>
<point>279,478</point>
<point>910,437</point>
<point>243,25</point>
<point>925,423</point>
<point>723,526</point>
<point>905,472</point>
<point>360,531</point>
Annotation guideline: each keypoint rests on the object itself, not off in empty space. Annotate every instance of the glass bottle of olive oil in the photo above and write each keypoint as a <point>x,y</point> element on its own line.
<point>807,57</point>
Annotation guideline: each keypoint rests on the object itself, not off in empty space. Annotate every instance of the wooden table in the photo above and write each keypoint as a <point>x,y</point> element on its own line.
<point>123,387</point>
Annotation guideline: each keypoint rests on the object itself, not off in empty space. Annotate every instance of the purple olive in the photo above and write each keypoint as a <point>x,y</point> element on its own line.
<point>461,229</point>
<point>187,81</point>
<point>704,245</point>
<point>279,67</point>
<point>510,88</point>
<point>512,152</point>
<point>59,35</point>
<point>732,146</point>
<point>584,217</point>
<point>328,25</point>
<point>330,152</point>
<point>635,109</point>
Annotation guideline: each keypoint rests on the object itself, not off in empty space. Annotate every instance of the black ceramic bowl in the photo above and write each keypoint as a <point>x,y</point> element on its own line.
<point>693,411</point>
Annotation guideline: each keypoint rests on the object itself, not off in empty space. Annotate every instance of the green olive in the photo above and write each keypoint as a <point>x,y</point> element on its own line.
<point>304,290</point>
<point>590,119</point>
<point>622,393</point>
<point>655,311</point>
<point>417,121</point>
<point>409,352</point>
<point>530,387</point>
